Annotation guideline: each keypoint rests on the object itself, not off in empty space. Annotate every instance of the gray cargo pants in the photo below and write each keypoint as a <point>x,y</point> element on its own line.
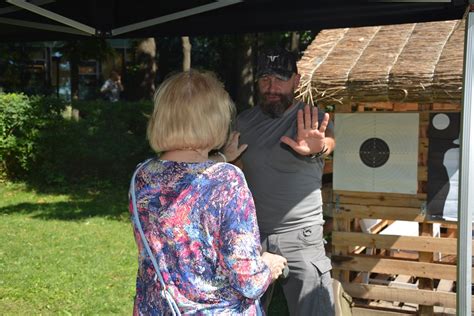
<point>308,288</point>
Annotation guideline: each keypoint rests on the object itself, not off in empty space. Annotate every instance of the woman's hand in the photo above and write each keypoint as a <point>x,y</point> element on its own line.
<point>232,150</point>
<point>276,263</point>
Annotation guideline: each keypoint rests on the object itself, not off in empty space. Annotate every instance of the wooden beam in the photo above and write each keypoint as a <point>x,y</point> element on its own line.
<point>379,199</point>
<point>422,173</point>
<point>341,224</point>
<point>362,311</point>
<point>385,212</point>
<point>425,230</point>
<point>416,296</point>
<point>424,243</point>
<point>446,107</point>
<point>393,266</point>
<point>445,286</point>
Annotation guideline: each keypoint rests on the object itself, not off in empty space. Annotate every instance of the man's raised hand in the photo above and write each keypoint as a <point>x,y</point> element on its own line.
<point>310,134</point>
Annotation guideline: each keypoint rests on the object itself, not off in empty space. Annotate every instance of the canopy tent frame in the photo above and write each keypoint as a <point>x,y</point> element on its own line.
<point>466,191</point>
<point>43,26</point>
<point>75,27</point>
<point>466,176</point>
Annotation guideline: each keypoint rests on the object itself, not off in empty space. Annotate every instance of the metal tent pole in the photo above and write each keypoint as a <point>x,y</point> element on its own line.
<point>53,16</point>
<point>466,183</point>
<point>174,16</point>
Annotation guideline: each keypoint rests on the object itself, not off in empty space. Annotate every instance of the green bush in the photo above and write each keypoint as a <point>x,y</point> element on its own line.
<point>38,143</point>
<point>21,120</point>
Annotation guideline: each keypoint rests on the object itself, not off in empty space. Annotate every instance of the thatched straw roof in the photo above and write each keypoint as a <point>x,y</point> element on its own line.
<point>420,62</point>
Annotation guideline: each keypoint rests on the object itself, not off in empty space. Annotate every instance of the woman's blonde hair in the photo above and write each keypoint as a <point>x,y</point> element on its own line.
<point>192,111</point>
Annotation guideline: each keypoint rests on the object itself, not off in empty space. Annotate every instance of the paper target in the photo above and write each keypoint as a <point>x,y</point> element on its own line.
<point>443,166</point>
<point>376,152</point>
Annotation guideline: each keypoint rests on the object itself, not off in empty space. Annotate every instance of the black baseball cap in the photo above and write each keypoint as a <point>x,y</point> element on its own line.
<point>278,62</point>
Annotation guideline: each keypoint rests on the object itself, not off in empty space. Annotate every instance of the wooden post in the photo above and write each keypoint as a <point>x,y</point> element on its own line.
<point>426,229</point>
<point>340,224</point>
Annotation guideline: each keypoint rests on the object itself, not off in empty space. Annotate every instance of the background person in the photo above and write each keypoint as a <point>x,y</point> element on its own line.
<point>283,164</point>
<point>198,215</point>
<point>112,87</point>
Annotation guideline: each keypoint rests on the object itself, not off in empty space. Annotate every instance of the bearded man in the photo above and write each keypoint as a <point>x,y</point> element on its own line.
<point>285,143</point>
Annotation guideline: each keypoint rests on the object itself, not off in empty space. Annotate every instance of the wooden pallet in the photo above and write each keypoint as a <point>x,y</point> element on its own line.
<point>406,274</point>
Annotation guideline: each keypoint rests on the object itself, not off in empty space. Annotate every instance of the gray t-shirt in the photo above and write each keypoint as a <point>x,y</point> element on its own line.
<point>285,185</point>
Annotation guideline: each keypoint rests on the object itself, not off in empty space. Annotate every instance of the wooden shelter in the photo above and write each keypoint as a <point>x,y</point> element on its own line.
<point>416,68</point>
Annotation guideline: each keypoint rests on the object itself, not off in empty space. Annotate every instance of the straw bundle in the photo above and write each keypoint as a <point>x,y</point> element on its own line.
<point>419,62</point>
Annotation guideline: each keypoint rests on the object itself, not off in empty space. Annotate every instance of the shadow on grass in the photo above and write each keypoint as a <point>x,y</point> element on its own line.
<point>83,201</point>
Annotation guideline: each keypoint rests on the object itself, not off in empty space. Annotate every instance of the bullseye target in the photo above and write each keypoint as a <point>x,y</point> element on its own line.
<point>376,152</point>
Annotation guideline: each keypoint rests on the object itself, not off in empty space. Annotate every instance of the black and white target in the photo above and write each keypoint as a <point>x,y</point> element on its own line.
<point>443,166</point>
<point>376,152</point>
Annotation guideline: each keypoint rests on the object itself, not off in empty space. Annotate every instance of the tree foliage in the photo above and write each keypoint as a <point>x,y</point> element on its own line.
<point>22,121</point>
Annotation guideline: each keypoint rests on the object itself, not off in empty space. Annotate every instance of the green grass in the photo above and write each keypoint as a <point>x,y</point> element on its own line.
<point>70,251</point>
<point>65,252</point>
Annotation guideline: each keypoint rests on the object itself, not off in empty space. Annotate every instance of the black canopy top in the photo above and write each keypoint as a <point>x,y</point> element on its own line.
<point>63,19</point>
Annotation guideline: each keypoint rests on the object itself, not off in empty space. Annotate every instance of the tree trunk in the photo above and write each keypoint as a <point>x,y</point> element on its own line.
<point>48,71</point>
<point>295,42</point>
<point>146,57</point>
<point>74,66</point>
<point>186,53</point>
<point>245,81</point>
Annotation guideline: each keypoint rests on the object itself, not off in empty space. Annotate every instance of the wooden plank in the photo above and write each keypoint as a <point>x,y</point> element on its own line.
<point>424,115</point>
<point>402,281</point>
<point>445,286</point>
<point>388,106</point>
<point>406,106</point>
<point>363,311</point>
<point>385,212</point>
<point>343,108</point>
<point>394,266</point>
<point>422,243</point>
<point>451,225</point>
<point>415,296</point>
<point>426,229</point>
<point>423,142</point>
<point>380,226</point>
<point>379,199</point>
<point>422,173</point>
<point>341,224</point>
<point>446,107</point>
<point>397,284</point>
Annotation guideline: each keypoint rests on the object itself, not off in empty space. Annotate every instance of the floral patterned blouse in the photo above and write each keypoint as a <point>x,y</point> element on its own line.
<point>200,220</point>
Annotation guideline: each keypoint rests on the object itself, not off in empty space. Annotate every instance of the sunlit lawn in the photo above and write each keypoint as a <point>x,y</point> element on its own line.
<point>65,253</point>
<point>68,251</point>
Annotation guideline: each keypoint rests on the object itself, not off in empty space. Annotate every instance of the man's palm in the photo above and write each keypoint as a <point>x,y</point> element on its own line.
<point>309,135</point>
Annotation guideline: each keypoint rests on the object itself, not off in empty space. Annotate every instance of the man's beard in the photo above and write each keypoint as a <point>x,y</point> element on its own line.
<point>275,109</point>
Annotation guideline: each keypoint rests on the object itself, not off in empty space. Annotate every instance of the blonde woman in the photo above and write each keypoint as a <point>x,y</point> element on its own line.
<point>197,215</point>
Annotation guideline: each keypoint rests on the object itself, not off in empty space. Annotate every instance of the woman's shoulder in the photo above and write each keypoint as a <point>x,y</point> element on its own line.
<point>225,171</point>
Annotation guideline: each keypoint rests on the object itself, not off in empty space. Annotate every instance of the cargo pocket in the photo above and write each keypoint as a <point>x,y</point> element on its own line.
<point>323,265</point>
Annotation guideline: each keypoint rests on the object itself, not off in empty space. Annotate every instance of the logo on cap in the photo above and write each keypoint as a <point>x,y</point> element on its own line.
<point>278,62</point>
<point>272,58</point>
